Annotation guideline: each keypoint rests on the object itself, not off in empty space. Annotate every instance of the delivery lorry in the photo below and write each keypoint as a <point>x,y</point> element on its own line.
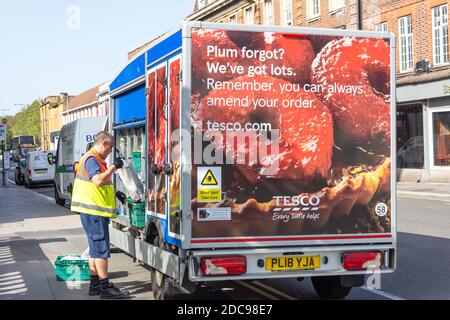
<point>75,139</point>
<point>266,152</point>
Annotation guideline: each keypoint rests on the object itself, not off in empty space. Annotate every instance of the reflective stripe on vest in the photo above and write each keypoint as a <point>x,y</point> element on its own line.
<point>87,197</point>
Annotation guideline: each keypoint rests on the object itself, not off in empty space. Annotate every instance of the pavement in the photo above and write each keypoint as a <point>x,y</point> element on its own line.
<point>34,231</point>
<point>32,237</point>
<point>424,190</point>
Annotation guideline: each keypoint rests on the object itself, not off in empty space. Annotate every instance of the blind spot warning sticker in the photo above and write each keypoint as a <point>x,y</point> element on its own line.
<point>209,179</point>
<point>209,184</point>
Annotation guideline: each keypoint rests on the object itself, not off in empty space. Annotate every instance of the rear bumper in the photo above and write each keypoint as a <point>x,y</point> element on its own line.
<point>330,257</point>
<point>40,180</point>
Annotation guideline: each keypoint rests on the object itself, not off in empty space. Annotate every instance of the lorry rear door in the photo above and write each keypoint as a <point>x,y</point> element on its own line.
<point>283,151</point>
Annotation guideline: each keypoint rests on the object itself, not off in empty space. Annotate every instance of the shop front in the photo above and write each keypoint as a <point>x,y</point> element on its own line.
<point>423,130</point>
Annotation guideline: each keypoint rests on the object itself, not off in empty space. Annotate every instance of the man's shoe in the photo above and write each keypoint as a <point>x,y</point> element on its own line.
<point>94,290</point>
<point>112,292</point>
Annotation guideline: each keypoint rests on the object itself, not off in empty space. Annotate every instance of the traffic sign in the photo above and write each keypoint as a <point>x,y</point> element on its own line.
<point>5,121</point>
<point>2,132</point>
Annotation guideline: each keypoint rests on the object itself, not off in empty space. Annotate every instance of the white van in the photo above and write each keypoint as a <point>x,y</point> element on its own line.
<point>74,140</point>
<point>39,168</point>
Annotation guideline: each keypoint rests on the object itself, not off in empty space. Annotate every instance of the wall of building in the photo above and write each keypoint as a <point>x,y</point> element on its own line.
<point>51,111</point>
<point>420,95</point>
<point>343,18</point>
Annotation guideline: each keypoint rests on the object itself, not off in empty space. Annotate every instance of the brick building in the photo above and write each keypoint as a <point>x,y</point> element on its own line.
<point>422,62</point>
<point>91,103</point>
<point>51,110</point>
<point>312,13</point>
<point>423,73</point>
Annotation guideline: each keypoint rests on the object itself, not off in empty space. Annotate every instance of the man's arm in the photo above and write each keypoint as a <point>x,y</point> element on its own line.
<point>100,179</point>
<point>97,177</point>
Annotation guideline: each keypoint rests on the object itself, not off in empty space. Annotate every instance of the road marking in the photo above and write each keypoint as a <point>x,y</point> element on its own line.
<point>264,294</point>
<point>43,196</point>
<point>10,274</point>
<point>50,199</point>
<point>382,293</point>
<point>273,290</point>
<point>9,278</point>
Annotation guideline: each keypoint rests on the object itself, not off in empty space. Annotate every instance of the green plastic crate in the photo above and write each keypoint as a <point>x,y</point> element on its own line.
<point>137,211</point>
<point>72,267</point>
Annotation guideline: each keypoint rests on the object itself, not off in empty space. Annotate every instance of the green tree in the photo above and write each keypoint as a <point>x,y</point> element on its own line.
<point>27,122</point>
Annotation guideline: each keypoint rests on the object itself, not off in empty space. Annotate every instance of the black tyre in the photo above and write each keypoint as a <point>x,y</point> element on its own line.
<point>330,287</point>
<point>58,200</point>
<point>161,287</point>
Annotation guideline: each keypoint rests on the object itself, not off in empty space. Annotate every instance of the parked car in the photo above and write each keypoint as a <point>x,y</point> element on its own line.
<point>39,168</point>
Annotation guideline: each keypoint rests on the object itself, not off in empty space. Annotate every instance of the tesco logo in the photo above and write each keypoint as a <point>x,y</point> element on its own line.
<point>294,201</point>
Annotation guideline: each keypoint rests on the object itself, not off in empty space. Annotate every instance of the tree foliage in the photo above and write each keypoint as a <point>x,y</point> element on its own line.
<point>26,122</point>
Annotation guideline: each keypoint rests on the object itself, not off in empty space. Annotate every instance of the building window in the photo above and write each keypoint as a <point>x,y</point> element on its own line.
<point>249,16</point>
<point>233,19</point>
<point>405,43</point>
<point>440,34</point>
<point>441,138</point>
<point>410,151</point>
<point>335,5</point>
<point>268,9</point>
<point>313,9</point>
<point>383,27</point>
<point>287,12</point>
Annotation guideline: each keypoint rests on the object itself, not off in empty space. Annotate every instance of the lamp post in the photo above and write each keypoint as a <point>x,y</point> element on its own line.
<point>4,124</point>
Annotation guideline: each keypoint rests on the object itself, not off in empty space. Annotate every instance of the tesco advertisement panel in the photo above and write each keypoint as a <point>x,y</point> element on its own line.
<point>292,134</point>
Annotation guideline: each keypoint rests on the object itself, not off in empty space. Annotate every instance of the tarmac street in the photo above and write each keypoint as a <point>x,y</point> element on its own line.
<point>34,231</point>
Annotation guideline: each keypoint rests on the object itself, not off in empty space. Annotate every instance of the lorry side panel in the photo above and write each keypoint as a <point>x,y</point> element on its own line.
<point>174,147</point>
<point>161,202</point>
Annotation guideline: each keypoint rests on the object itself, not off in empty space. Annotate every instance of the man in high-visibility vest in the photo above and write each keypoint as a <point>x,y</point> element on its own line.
<point>93,197</point>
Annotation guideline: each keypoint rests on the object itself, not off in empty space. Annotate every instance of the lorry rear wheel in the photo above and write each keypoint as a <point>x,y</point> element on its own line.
<point>330,287</point>
<point>161,287</point>
<point>58,200</point>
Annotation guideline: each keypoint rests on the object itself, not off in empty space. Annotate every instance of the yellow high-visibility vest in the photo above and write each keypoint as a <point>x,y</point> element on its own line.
<point>87,197</point>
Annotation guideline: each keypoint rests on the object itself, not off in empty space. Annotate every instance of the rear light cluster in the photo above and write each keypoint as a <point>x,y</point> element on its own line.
<point>363,260</point>
<point>221,266</point>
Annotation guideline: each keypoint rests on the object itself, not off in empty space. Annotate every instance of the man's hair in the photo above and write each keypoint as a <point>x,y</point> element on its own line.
<point>102,136</point>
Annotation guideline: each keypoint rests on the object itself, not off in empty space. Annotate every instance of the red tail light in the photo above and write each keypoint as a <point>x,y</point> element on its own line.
<point>362,260</point>
<point>221,266</point>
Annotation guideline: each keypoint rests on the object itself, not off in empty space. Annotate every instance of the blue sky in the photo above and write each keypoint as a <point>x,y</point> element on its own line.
<point>42,52</point>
